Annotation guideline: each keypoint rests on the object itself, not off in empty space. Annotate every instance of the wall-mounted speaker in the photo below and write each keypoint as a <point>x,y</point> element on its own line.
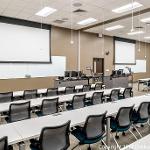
<point>100,35</point>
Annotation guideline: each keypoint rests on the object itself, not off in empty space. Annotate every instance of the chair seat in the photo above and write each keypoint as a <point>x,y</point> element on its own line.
<point>80,135</point>
<point>136,118</point>
<point>115,127</point>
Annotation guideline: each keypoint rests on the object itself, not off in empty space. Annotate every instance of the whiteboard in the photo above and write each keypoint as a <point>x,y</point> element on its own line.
<point>124,52</point>
<point>24,44</point>
<point>10,70</point>
<point>140,66</point>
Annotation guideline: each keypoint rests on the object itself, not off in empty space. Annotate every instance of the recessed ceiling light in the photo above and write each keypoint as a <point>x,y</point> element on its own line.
<point>147,37</point>
<point>87,21</point>
<point>77,4</point>
<point>127,7</point>
<point>135,32</point>
<point>145,20</point>
<point>114,27</point>
<point>46,11</point>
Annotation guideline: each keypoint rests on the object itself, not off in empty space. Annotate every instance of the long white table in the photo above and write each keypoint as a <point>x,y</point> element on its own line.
<point>4,107</point>
<point>142,81</point>
<point>31,128</point>
<point>44,90</point>
<point>141,144</point>
<point>20,93</point>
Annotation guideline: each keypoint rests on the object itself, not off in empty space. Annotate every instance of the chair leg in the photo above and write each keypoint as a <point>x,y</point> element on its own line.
<point>89,148</point>
<point>116,142</point>
<point>105,144</point>
<point>75,146</point>
<point>123,133</point>
<point>133,134</point>
<point>138,131</point>
<point>117,136</point>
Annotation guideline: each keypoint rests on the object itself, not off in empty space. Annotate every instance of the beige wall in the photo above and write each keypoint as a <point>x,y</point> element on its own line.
<point>91,46</point>
<point>140,54</point>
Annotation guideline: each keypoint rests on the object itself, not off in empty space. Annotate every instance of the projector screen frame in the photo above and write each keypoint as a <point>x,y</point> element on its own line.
<point>123,40</point>
<point>21,22</point>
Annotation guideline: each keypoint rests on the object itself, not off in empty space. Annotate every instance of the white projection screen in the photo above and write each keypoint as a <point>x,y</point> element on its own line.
<point>24,44</point>
<point>124,52</point>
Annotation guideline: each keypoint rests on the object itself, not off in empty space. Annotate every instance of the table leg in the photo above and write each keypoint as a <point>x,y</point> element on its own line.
<point>108,132</point>
<point>64,106</point>
<point>0,118</point>
<point>21,146</point>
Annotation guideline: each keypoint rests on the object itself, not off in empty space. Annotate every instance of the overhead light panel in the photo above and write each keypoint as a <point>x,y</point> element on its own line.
<point>46,11</point>
<point>135,32</point>
<point>127,7</point>
<point>114,27</point>
<point>87,21</point>
<point>147,37</point>
<point>145,20</point>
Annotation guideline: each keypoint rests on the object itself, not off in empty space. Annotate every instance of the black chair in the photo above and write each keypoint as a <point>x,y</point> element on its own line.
<point>86,88</point>
<point>122,122</point>
<point>6,97</point>
<point>69,90</point>
<point>127,93</point>
<point>4,143</point>
<point>30,94</point>
<point>98,86</point>
<point>92,132</point>
<point>114,95</point>
<point>49,106</point>
<point>53,138</point>
<point>52,91</point>
<point>97,98</point>
<point>18,111</point>
<point>141,116</point>
<point>78,101</point>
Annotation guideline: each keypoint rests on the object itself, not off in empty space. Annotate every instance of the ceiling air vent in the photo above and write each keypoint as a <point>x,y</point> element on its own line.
<point>59,21</point>
<point>79,11</point>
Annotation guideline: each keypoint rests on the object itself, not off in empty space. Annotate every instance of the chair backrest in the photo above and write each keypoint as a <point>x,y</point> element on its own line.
<point>86,88</point>
<point>52,91</point>
<point>6,97</point>
<point>55,138</point>
<point>30,94</point>
<point>127,92</point>
<point>49,106</point>
<point>114,95</point>
<point>98,86</point>
<point>143,110</point>
<point>69,90</point>
<point>78,101</point>
<point>4,143</point>
<point>19,111</point>
<point>97,98</point>
<point>124,116</point>
<point>95,126</point>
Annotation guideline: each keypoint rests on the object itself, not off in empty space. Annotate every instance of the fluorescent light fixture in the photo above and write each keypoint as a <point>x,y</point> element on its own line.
<point>114,27</point>
<point>46,11</point>
<point>127,7</point>
<point>145,20</point>
<point>135,33</point>
<point>147,37</point>
<point>87,21</point>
